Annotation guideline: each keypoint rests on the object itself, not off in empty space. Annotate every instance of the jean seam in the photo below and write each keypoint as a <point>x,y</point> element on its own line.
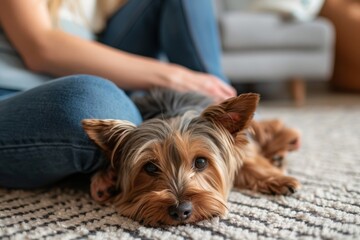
<point>121,37</point>
<point>192,41</point>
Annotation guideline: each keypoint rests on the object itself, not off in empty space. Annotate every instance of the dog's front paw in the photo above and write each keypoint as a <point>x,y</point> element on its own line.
<point>281,185</point>
<point>103,186</point>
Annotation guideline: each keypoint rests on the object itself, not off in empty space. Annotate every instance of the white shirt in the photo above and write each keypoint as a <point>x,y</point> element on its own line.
<point>85,13</point>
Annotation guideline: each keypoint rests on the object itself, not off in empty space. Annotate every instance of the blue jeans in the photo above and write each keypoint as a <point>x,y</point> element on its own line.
<point>41,139</point>
<point>184,30</point>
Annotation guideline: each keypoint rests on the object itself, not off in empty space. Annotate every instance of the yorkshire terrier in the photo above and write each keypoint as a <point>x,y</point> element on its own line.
<point>181,163</point>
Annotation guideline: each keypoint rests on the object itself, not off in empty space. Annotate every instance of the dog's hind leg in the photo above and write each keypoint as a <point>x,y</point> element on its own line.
<point>261,176</point>
<point>275,140</point>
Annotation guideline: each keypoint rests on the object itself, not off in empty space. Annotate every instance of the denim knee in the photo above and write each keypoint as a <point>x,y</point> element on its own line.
<point>85,96</point>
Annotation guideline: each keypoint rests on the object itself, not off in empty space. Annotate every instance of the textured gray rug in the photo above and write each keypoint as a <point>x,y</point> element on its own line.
<point>327,206</point>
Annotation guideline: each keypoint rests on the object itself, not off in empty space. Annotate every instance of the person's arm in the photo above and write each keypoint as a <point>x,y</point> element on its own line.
<point>49,50</point>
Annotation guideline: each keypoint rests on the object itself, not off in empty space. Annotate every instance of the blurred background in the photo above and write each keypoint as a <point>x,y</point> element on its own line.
<point>296,52</point>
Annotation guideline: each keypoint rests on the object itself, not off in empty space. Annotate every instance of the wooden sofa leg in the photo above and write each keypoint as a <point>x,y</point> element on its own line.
<point>298,91</point>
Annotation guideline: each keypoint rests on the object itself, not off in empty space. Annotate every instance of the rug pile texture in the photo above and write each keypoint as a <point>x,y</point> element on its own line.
<point>327,206</point>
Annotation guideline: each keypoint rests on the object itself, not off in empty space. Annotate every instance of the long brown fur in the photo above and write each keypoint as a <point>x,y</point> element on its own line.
<point>233,146</point>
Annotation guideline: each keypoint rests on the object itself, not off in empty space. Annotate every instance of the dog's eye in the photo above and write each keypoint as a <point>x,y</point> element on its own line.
<point>200,163</point>
<point>151,169</point>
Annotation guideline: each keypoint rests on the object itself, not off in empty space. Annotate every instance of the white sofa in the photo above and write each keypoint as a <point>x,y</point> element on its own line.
<point>263,47</point>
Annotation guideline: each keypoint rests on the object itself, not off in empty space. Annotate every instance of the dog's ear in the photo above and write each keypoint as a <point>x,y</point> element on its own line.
<point>234,114</point>
<point>108,134</point>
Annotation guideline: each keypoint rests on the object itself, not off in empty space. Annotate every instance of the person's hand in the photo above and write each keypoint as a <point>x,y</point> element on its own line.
<point>182,79</point>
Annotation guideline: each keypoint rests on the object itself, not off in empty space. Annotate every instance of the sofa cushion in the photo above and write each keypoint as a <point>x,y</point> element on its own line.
<point>249,30</point>
<point>250,66</point>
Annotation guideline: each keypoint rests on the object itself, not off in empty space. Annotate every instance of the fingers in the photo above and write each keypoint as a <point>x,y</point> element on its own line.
<point>185,80</point>
<point>225,90</point>
<point>214,87</point>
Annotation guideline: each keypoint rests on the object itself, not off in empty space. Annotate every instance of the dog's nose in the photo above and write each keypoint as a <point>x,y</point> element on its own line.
<point>180,212</point>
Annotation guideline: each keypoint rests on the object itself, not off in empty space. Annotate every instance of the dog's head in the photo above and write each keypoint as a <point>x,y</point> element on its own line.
<point>178,170</point>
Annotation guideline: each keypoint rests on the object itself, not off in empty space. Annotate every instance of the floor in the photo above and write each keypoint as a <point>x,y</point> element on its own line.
<point>326,207</point>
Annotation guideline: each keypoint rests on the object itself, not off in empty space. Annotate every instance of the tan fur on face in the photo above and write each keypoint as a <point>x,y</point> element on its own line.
<point>173,148</point>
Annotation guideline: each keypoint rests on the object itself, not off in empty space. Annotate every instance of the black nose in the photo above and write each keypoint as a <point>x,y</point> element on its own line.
<point>180,212</point>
